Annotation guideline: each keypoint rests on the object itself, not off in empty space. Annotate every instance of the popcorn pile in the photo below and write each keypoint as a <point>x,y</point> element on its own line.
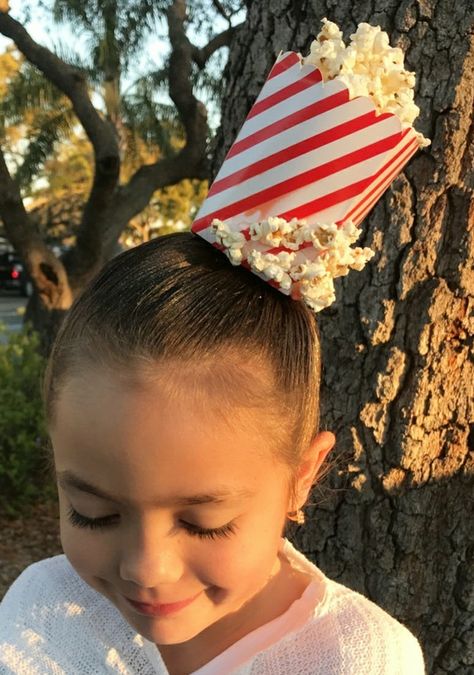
<point>311,280</point>
<point>368,66</point>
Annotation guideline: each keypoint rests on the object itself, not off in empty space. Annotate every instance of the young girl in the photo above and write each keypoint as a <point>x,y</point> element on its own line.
<point>182,402</point>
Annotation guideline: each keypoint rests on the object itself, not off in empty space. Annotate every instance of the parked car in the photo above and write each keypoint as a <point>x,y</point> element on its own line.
<point>13,273</point>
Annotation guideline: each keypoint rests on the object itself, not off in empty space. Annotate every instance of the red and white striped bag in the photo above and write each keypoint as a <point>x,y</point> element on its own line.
<point>308,151</point>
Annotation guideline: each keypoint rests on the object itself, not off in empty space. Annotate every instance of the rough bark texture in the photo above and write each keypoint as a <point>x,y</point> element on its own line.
<point>397,521</point>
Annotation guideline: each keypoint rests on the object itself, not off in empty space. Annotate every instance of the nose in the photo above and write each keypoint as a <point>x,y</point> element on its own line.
<point>151,559</point>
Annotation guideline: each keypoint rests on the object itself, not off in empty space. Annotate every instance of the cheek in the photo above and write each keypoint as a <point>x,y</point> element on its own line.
<point>243,563</point>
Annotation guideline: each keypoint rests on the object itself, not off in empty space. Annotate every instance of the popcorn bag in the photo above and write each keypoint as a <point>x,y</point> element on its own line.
<point>325,138</point>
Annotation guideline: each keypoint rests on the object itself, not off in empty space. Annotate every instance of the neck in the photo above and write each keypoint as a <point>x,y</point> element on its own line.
<point>283,587</point>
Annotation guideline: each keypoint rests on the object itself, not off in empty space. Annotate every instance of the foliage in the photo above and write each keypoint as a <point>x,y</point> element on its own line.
<point>34,116</point>
<point>170,210</point>
<point>9,65</point>
<point>23,436</point>
<point>10,134</point>
<point>181,201</point>
<point>70,170</point>
<point>56,208</point>
<point>116,27</point>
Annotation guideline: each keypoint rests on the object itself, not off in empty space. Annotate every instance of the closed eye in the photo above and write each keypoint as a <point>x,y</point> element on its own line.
<point>209,533</point>
<point>78,520</point>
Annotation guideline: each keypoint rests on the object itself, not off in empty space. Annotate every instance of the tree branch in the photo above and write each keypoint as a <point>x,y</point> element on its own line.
<point>69,80</point>
<point>100,132</point>
<point>221,10</point>
<point>45,269</point>
<point>193,114</point>
<point>135,196</point>
<point>202,54</point>
<point>191,162</point>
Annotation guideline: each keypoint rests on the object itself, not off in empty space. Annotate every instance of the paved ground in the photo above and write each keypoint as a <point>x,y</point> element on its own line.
<point>12,307</point>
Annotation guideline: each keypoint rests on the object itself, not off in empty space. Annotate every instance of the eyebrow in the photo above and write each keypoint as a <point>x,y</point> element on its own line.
<point>69,479</point>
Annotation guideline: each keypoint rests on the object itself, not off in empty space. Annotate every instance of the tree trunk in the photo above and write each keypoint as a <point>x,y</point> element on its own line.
<point>397,520</point>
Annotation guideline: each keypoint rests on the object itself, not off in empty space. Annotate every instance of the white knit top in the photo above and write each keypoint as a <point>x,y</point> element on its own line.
<point>52,622</point>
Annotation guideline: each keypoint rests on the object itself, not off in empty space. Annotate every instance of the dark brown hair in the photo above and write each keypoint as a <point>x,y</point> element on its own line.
<point>177,297</point>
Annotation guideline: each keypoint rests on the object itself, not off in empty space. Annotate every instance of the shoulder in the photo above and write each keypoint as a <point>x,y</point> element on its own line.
<point>45,613</point>
<point>347,628</point>
<point>44,584</point>
<point>346,633</point>
<point>362,637</point>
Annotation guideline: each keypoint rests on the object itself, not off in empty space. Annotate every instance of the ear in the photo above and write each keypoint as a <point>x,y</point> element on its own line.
<point>313,458</point>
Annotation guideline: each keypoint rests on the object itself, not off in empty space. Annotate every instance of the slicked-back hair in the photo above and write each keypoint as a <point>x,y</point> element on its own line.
<point>177,298</point>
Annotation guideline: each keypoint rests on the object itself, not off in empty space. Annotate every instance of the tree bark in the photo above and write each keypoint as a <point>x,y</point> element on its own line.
<point>396,520</point>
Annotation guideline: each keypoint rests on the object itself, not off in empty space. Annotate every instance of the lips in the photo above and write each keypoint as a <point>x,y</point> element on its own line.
<point>161,609</point>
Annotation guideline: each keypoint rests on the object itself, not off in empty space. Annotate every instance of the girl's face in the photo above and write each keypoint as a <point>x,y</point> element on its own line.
<point>192,505</point>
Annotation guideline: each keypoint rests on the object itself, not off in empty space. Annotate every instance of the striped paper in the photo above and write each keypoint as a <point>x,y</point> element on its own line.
<point>305,150</point>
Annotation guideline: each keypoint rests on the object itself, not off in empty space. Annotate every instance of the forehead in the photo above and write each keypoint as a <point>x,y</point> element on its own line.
<point>140,438</point>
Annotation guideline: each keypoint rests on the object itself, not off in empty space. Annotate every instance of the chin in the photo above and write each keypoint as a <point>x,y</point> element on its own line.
<point>165,633</point>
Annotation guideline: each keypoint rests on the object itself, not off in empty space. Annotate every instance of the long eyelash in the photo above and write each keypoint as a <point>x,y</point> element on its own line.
<point>224,531</point>
<point>78,520</point>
